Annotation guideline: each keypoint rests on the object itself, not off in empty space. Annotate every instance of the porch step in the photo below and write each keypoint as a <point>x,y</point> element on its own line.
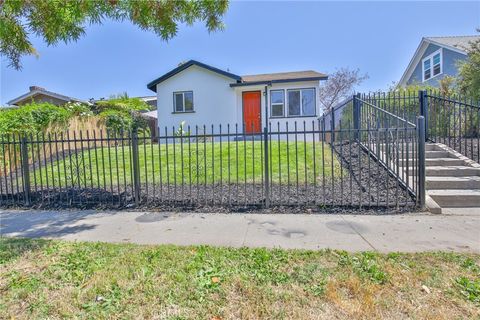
<point>448,171</point>
<point>452,171</point>
<point>437,154</point>
<point>449,198</point>
<point>412,146</point>
<point>248,137</point>
<point>436,162</point>
<point>436,183</point>
<point>428,147</point>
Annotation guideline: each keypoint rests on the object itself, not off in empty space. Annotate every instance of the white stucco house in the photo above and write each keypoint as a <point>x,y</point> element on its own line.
<point>200,95</point>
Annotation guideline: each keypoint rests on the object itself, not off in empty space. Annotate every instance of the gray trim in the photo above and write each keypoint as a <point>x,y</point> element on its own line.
<point>241,84</point>
<point>183,112</point>
<point>153,84</point>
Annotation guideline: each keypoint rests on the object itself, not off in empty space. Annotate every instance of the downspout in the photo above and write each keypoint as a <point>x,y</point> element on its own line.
<point>266,103</point>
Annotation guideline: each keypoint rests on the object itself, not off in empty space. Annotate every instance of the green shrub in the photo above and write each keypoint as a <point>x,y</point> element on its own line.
<point>122,114</point>
<point>117,121</point>
<point>33,118</point>
<point>123,103</point>
<point>78,109</point>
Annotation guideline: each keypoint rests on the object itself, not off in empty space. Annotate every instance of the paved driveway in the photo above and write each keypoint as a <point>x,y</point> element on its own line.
<point>457,230</point>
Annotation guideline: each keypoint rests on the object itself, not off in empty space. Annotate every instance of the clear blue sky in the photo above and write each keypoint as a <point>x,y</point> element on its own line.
<point>377,37</point>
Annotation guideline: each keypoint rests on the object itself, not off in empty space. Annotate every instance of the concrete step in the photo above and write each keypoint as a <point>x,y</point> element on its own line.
<point>448,171</point>
<point>437,154</point>
<point>436,162</point>
<point>435,183</point>
<point>412,146</point>
<point>448,198</point>
<point>452,171</point>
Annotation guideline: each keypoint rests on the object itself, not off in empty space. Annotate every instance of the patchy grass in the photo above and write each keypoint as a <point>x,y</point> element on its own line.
<point>54,279</point>
<point>237,162</point>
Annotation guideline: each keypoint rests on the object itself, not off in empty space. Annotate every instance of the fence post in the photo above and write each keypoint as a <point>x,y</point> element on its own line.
<point>356,114</point>
<point>25,170</point>
<point>332,126</point>
<point>136,167</point>
<point>421,196</point>
<point>422,97</point>
<point>266,167</point>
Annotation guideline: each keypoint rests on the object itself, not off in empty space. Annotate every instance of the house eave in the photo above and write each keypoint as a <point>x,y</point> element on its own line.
<point>45,93</point>
<point>254,83</point>
<point>153,84</point>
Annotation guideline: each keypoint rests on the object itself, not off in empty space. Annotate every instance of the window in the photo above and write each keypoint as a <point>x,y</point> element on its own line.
<point>301,102</point>
<point>436,64</point>
<point>183,101</point>
<point>432,65</point>
<point>277,102</point>
<point>427,74</point>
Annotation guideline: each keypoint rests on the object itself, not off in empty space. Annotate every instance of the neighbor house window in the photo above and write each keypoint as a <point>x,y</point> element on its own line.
<point>432,65</point>
<point>301,102</point>
<point>183,101</point>
<point>277,102</point>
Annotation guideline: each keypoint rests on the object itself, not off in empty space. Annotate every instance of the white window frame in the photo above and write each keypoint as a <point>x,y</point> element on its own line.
<point>430,57</point>
<point>183,101</point>
<point>301,115</point>
<point>277,104</point>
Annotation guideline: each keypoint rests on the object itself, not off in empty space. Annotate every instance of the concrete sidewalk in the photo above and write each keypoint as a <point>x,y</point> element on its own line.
<point>457,230</point>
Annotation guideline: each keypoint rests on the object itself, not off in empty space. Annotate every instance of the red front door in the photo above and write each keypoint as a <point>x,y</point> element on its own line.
<point>251,111</point>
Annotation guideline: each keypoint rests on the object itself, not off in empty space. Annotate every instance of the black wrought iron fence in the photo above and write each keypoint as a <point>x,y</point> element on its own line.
<point>454,122</point>
<point>451,120</point>
<point>299,164</point>
<point>397,148</point>
<point>400,156</point>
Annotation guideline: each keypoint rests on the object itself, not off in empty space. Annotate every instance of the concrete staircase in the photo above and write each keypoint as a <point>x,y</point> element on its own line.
<point>452,180</point>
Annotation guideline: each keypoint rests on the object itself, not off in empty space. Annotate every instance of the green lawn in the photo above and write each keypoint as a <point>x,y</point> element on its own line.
<point>205,163</point>
<point>42,279</point>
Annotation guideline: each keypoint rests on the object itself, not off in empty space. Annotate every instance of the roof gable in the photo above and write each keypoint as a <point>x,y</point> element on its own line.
<point>456,43</point>
<point>41,91</point>
<point>153,85</point>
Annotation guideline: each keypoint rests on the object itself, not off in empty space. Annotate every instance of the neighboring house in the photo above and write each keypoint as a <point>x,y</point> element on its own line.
<point>38,94</point>
<point>435,58</point>
<point>150,100</point>
<point>152,121</point>
<point>200,94</point>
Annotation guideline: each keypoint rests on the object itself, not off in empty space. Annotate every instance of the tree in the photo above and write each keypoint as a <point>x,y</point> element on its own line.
<point>339,86</point>
<point>65,20</point>
<point>469,72</point>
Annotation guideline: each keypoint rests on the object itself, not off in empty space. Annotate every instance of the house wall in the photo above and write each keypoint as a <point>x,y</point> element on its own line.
<point>216,103</point>
<point>281,122</point>
<point>450,60</point>
<point>213,100</point>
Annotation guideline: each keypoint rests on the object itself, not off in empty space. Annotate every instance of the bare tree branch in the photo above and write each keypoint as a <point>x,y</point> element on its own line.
<point>339,85</point>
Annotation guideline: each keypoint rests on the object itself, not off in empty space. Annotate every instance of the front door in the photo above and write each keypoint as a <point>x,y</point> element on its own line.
<point>251,111</point>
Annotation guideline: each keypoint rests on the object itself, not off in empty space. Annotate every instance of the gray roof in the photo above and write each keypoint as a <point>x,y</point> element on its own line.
<point>283,76</point>
<point>34,90</point>
<point>247,80</point>
<point>151,114</point>
<point>280,77</point>
<point>460,42</point>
